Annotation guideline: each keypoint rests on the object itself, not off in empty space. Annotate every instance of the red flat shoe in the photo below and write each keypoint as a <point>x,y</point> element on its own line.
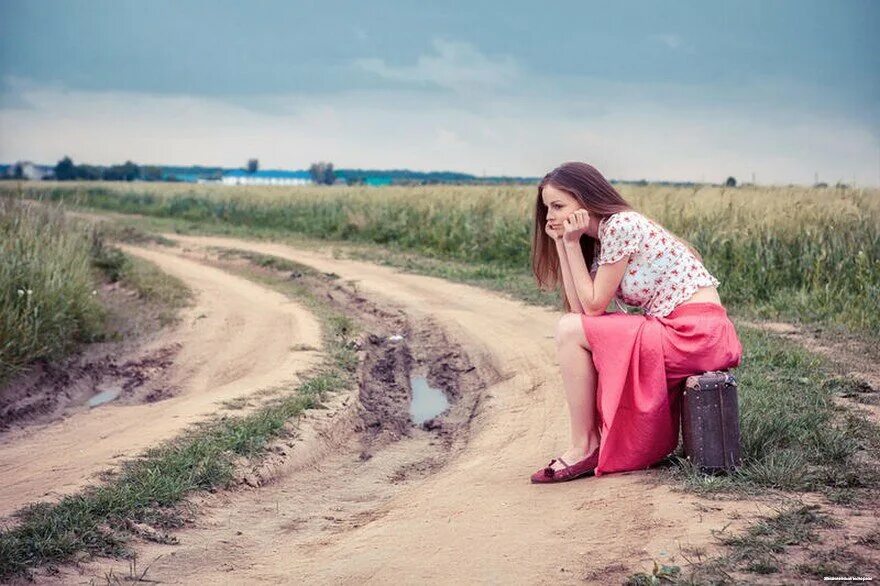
<point>585,467</point>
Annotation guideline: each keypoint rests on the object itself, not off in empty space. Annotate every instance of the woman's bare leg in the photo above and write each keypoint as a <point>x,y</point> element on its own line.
<point>579,379</point>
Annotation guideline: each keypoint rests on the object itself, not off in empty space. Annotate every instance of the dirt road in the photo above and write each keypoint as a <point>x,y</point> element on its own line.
<point>478,518</point>
<point>239,338</point>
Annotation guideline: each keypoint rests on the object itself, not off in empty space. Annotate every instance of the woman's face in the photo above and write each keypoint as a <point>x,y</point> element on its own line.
<point>560,205</point>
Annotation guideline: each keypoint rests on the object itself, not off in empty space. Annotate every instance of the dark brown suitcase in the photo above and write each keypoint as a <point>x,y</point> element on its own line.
<point>710,422</point>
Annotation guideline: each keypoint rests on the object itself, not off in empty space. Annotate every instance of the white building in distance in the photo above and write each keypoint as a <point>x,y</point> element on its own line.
<point>269,177</point>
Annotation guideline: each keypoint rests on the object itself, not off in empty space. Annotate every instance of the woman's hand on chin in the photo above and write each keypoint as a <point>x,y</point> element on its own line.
<point>575,225</point>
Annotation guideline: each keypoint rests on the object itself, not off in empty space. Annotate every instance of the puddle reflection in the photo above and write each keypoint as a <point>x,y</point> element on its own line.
<point>427,402</point>
<point>103,397</point>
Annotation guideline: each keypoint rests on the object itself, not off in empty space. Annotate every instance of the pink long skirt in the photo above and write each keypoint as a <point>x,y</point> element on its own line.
<point>642,362</point>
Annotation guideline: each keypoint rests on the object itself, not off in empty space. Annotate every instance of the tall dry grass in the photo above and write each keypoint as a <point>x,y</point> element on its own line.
<point>46,284</point>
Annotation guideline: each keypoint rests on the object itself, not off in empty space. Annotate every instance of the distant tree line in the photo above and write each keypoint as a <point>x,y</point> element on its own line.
<point>66,170</point>
<point>321,173</point>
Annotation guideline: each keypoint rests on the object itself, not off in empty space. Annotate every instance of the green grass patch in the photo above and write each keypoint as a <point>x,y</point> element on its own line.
<point>661,574</point>
<point>759,553</point>
<point>760,550</point>
<point>152,284</point>
<point>758,547</point>
<point>267,261</point>
<point>130,234</point>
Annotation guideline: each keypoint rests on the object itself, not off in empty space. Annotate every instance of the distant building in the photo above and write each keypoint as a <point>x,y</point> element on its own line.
<point>242,177</point>
<point>377,181</point>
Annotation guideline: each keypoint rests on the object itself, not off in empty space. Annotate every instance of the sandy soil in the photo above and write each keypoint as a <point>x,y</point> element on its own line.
<point>345,519</point>
<point>239,338</point>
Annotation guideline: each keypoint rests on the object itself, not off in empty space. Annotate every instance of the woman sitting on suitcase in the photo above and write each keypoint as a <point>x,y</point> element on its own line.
<point>622,372</point>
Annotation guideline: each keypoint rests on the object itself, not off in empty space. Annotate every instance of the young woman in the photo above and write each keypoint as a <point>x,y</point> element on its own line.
<point>622,373</point>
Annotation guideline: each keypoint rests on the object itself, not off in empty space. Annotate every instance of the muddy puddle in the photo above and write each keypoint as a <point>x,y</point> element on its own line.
<point>411,377</point>
<point>92,379</point>
<point>427,402</point>
<point>104,397</point>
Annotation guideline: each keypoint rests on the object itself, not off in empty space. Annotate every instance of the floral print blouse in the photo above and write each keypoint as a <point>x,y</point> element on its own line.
<point>662,271</point>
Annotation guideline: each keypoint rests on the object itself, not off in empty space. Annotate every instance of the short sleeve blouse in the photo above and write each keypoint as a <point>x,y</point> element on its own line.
<point>662,271</point>
<point>622,237</point>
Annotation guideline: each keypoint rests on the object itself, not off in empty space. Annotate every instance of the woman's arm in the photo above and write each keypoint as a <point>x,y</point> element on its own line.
<point>570,290</point>
<point>594,294</point>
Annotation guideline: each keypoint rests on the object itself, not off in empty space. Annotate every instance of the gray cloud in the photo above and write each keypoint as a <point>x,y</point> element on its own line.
<point>454,65</point>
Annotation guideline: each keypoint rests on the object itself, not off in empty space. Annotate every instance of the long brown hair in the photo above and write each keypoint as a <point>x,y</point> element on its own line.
<point>596,195</point>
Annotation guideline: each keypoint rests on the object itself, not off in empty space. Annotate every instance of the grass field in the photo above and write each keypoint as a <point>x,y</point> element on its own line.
<point>804,254</point>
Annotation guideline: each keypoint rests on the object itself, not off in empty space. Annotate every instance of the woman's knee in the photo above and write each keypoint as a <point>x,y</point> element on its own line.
<point>570,330</point>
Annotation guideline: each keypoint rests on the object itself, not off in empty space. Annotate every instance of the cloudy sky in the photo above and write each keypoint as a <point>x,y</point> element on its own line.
<point>668,90</point>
